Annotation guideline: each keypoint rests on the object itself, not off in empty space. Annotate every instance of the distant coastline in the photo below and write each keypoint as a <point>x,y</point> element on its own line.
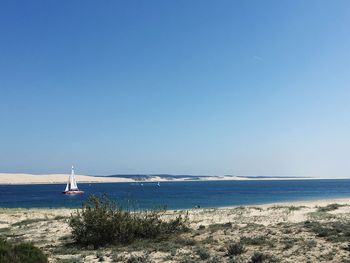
<point>23,178</point>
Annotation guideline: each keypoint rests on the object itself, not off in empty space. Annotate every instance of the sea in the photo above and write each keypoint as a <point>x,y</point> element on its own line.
<point>176,195</point>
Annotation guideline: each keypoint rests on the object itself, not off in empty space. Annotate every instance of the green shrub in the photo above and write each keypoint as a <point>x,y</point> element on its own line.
<point>331,231</point>
<point>138,259</point>
<point>100,257</point>
<point>295,208</point>
<point>20,253</point>
<point>70,260</point>
<point>256,241</point>
<point>330,207</point>
<point>214,259</point>
<point>310,244</point>
<point>288,243</point>
<point>202,253</point>
<point>59,217</point>
<point>101,222</point>
<point>259,257</point>
<point>186,241</point>
<point>235,249</point>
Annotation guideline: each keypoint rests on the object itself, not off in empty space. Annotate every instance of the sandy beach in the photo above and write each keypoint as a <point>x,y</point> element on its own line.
<point>280,230</point>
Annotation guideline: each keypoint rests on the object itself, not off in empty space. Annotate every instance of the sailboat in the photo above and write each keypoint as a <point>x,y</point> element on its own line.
<point>72,187</point>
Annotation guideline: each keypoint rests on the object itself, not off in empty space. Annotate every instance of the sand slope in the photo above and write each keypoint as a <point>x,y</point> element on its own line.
<point>7,178</point>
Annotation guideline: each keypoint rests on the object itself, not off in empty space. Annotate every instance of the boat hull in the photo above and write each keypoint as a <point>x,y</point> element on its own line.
<point>73,192</point>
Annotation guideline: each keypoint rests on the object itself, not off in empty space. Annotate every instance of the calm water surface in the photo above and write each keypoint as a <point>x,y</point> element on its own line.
<point>176,195</point>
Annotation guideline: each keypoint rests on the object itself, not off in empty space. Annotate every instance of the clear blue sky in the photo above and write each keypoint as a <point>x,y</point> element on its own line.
<point>181,87</point>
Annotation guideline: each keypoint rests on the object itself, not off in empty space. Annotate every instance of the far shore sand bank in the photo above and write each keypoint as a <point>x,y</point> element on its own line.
<point>23,178</point>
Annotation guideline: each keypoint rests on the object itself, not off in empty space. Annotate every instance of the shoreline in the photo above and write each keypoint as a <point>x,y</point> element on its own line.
<point>306,203</point>
<point>310,203</point>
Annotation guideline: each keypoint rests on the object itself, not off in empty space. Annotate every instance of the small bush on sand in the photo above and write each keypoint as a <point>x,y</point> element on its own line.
<point>259,257</point>
<point>101,222</point>
<point>70,260</point>
<point>185,241</point>
<point>138,259</point>
<point>202,253</point>
<point>256,241</point>
<point>99,256</point>
<point>214,259</point>
<point>20,253</point>
<point>235,249</point>
<point>330,207</point>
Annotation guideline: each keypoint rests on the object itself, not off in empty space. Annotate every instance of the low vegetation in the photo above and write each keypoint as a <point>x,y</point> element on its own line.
<point>235,249</point>
<point>331,231</point>
<point>202,253</point>
<point>259,257</point>
<point>70,260</point>
<point>330,207</point>
<point>27,222</point>
<point>20,253</point>
<point>138,259</point>
<point>101,222</point>
<point>256,241</point>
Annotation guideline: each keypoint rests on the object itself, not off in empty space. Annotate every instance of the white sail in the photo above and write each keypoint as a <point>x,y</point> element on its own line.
<point>72,182</point>
<point>72,187</point>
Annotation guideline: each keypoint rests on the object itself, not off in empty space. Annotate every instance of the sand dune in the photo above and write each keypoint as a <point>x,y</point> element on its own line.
<point>8,178</point>
<point>24,178</point>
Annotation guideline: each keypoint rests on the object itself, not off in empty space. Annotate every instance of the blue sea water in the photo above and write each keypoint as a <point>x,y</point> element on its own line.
<point>178,195</point>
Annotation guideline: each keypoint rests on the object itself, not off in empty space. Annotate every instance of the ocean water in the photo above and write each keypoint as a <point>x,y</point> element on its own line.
<point>177,195</point>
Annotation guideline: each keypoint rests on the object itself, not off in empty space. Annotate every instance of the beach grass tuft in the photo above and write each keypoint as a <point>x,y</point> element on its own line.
<point>20,252</point>
<point>29,221</point>
<point>235,249</point>
<point>70,260</point>
<point>259,257</point>
<point>257,241</point>
<point>330,207</point>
